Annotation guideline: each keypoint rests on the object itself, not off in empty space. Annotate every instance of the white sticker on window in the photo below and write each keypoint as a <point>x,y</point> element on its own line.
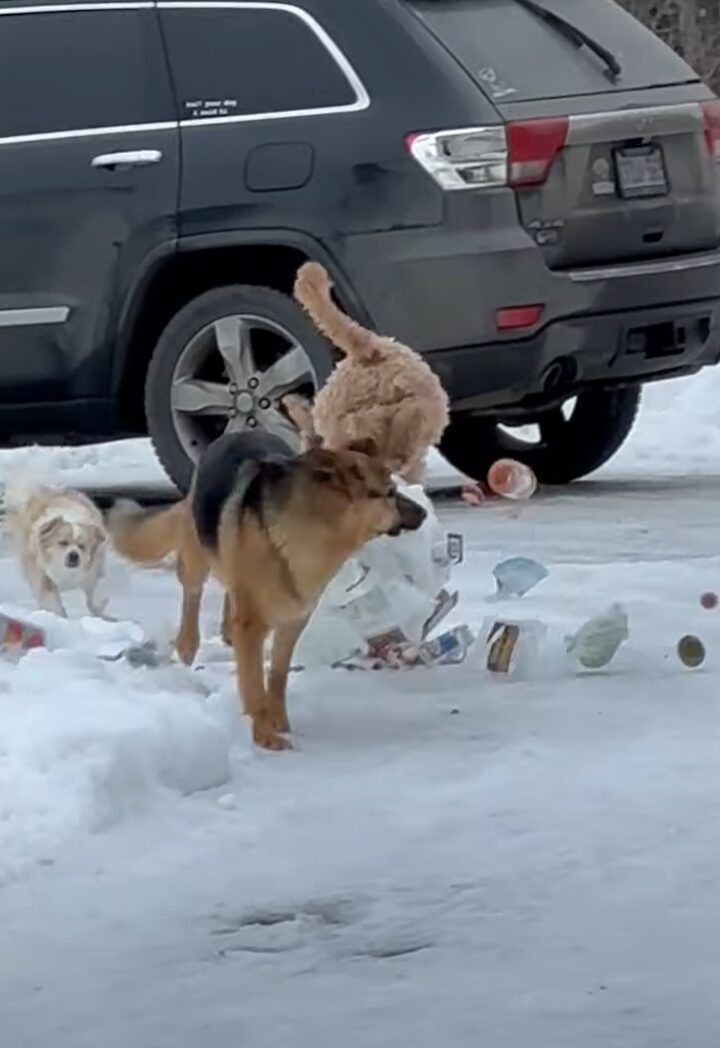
<point>204,108</point>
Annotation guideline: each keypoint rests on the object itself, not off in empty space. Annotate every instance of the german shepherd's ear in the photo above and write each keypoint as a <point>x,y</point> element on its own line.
<point>364,446</point>
<point>274,469</point>
<point>325,470</point>
<point>328,474</point>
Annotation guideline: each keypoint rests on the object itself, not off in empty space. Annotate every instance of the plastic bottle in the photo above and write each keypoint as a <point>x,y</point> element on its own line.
<point>511,479</point>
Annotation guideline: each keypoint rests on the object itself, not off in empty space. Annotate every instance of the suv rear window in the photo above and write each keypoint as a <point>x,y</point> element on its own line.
<point>251,62</point>
<point>515,56</point>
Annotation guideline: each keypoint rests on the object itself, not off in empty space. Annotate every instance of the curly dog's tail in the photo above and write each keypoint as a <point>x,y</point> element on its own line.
<point>145,536</point>
<point>312,291</point>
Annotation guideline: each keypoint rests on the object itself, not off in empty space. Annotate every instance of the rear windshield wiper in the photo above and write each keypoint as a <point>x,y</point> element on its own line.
<point>577,36</point>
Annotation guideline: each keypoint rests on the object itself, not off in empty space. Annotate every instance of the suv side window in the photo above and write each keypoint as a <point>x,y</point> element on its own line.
<point>78,70</point>
<point>253,61</point>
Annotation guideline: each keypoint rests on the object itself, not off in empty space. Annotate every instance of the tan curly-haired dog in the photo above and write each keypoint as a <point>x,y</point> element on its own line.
<point>380,390</point>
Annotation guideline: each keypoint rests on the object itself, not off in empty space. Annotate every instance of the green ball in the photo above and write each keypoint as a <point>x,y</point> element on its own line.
<point>691,651</point>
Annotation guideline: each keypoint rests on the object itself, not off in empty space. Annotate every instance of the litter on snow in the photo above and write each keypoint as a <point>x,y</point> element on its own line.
<point>597,641</point>
<point>18,636</point>
<point>691,651</point>
<point>511,479</point>
<point>517,576</point>
<point>383,605</point>
<point>510,647</point>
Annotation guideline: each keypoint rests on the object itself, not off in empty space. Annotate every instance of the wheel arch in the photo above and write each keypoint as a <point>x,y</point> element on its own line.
<point>171,278</point>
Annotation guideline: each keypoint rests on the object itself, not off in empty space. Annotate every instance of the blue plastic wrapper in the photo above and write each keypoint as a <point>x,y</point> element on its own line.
<point>517,576</point>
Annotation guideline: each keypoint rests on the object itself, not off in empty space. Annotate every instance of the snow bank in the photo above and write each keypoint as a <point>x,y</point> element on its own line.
<point>678,429</point>
<point>132,463</point>
<point>85,742</point>
<point>125,462</point>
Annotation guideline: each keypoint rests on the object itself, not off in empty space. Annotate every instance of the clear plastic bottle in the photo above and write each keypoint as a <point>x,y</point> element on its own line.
<point>511,479</point>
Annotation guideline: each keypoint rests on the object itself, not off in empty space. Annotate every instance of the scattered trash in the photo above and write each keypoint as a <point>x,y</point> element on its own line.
<point>596,642</point>
<point>387,647</point>
<point>511,479</point>
<point>691,651</point>
<point>511,646</point>
<point>385,602</point>
<point>709,600</point>
<point>393,650</point>
<point>517,576</point>
<point>18,636</point>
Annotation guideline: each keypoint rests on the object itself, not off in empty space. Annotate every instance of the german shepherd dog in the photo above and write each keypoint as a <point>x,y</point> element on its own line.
<point>273,527</point>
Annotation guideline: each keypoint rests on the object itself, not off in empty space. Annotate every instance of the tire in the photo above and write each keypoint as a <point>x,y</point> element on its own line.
<point>568,448</point>
<point>191,340</point>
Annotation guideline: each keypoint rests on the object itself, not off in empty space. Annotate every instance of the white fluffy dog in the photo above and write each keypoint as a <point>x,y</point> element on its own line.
<point>61,539</point>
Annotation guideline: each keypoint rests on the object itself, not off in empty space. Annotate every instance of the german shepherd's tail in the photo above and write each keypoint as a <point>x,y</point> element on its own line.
<point>145,536</point>
<point>312,291</point>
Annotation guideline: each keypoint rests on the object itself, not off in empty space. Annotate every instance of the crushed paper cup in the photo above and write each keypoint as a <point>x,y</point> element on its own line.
<point>510,647</point>
<point>691,651</point>
<point>597,641</point>
<point>511,479</point>
<point>517,576</point>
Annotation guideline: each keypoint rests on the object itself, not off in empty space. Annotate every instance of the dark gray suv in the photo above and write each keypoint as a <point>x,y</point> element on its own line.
<point>527,193</point>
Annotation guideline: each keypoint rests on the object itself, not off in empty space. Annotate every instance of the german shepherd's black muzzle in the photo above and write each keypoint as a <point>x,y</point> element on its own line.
<point>410,514</point>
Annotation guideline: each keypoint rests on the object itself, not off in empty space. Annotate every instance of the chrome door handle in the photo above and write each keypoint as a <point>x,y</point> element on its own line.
<point>133,158</point>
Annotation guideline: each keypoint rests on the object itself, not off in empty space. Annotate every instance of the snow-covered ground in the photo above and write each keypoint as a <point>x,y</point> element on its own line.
<point>443,859</point>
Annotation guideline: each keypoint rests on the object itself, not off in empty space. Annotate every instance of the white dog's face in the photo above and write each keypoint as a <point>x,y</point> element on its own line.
<point>68,550</point>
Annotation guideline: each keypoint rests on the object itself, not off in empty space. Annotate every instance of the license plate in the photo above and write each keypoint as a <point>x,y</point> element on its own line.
<point>641,172</point>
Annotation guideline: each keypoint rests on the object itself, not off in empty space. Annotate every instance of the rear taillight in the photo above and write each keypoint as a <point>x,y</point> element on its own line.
<point>711,120</point>
<point>470,158</point>
<point>487,157</point>
<point>532,148</point>
<point>511,318</point>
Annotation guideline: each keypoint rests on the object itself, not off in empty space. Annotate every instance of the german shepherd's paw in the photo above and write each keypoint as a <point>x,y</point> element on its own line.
<point>267,737</point>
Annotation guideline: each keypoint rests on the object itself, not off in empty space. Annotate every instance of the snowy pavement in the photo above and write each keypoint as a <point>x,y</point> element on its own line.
<point>444,858</point>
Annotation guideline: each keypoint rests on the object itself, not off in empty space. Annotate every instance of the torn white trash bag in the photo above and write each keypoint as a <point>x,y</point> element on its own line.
<point>391,583</point>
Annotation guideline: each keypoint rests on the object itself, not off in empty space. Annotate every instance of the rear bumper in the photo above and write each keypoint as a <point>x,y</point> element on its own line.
<point>438,290</point>
<point>581,352</point>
